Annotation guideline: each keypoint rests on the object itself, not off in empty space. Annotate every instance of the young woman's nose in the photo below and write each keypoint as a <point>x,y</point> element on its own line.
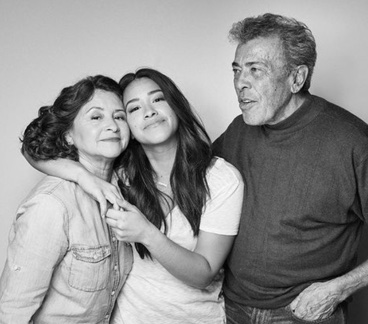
<point>149,111</point>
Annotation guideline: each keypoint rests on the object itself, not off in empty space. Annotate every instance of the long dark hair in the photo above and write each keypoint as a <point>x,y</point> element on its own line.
<point>44,137</point>
<point>188,176</point>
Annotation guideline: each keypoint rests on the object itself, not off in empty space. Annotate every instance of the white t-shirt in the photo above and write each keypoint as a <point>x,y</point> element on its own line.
<point>152,295</point>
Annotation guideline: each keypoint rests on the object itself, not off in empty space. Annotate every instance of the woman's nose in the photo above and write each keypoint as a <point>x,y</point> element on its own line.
<point>112,125</point>
<point>149,112</point>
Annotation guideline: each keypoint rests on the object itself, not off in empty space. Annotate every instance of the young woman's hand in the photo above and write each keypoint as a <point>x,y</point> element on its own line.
<point>100,190</point>
<point>128,223</point>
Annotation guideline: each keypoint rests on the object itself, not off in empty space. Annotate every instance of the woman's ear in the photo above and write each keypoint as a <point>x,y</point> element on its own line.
<point>300,76</point>
<point>69,139</point>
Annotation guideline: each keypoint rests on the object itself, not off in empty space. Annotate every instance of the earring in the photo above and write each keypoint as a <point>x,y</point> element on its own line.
<point>68,140</point>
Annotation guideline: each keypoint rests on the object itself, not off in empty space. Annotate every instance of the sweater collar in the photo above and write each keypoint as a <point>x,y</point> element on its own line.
<point>298,120</point>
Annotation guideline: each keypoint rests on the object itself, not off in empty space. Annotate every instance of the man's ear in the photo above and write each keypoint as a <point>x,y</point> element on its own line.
<point>300,76</point>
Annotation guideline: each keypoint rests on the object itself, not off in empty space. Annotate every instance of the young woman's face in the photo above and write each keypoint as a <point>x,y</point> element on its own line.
<point>150,118</point>
<point>100,131</point>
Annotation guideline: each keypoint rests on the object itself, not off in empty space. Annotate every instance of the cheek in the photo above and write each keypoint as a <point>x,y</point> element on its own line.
<point>134,133</point>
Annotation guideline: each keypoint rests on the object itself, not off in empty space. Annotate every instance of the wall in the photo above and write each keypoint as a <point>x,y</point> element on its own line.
<point>48,44</point>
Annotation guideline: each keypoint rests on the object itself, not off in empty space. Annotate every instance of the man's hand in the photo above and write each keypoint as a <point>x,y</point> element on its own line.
<point>318,301</point>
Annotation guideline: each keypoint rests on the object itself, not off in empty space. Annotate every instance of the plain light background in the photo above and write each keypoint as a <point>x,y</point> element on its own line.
<point>46,45</point>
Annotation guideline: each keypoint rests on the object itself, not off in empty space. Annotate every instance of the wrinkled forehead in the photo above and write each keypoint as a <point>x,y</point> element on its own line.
<point>260,49</point>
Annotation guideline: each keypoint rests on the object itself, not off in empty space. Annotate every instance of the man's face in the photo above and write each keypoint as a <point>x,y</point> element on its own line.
<point>262,82</point>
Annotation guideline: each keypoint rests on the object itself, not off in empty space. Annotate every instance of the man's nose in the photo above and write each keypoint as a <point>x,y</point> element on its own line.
<point>241,81</point>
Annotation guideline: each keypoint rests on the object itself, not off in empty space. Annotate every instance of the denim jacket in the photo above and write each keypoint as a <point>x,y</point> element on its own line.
<point>64,265</point>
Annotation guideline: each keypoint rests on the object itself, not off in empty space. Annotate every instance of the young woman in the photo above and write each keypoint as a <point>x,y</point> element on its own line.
<point>64,263</point>
<point>183,210</point>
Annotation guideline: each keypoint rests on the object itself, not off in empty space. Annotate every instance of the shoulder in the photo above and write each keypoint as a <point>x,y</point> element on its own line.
<point>236,125</point>
<point>51,191</point>
<point>340,129</point>
<point>221,173</point>
<point>339,119</point>
<point>223,208</point>
<point>236,135</point>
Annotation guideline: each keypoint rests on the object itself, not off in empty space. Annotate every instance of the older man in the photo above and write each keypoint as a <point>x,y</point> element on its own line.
<point>305,165</point>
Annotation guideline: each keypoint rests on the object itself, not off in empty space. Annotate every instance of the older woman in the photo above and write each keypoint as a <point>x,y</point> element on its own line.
<point>64,263</point>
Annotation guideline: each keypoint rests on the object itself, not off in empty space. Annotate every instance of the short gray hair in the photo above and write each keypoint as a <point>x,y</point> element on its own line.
<point>296,38</point>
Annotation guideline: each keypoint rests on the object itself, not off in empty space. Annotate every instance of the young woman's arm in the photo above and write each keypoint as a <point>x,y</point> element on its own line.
<point>99,189</point>
<point>196,268</point>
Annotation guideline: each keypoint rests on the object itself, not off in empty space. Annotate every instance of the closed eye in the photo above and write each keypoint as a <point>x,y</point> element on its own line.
<point>120,117</point>
<point>132,109</point>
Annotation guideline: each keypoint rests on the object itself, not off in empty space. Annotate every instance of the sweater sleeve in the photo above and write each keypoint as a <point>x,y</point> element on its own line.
<point>362,187</point>
<point>223,209</point>
<point>37,243</point>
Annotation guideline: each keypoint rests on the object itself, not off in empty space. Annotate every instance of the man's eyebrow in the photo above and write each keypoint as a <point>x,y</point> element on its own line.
<point>235,64</point>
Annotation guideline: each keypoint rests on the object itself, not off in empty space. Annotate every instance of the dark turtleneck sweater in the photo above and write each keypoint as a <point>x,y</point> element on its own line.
<point>305,200</point>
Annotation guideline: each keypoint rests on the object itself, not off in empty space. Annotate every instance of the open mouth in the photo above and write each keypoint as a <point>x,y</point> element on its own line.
<point>246,101</point>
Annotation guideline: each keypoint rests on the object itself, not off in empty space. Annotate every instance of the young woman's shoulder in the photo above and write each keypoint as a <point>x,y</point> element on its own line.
<point>222,173</point>
<point>223,169</point>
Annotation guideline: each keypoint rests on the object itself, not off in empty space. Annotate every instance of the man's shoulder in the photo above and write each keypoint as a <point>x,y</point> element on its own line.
<point>236,128</point>
<point>340,119</point>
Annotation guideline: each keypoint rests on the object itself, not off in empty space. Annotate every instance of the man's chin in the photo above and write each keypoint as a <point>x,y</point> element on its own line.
<point>251,120</point>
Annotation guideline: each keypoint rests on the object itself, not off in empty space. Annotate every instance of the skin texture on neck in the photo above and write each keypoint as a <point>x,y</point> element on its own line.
<point>102,169</point>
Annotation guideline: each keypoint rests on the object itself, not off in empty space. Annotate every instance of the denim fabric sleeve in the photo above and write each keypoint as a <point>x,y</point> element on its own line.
<point>38,241</point>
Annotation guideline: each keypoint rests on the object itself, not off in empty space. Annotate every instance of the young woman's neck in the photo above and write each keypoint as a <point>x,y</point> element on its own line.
<point>162,159</point>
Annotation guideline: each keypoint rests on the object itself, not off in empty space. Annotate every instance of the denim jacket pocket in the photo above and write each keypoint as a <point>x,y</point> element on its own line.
<point>90,267</point>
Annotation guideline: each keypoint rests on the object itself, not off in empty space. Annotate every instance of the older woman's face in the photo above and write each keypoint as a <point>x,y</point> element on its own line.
<point>100,131</point>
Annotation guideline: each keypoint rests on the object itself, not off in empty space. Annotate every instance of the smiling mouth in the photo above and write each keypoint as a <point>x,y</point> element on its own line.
<point>154,124</point>
<point>113,139</point>
<point>245,101</point>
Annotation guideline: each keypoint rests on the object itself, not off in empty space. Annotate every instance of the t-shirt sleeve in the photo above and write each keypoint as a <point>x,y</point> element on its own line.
<point>223,208</point>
